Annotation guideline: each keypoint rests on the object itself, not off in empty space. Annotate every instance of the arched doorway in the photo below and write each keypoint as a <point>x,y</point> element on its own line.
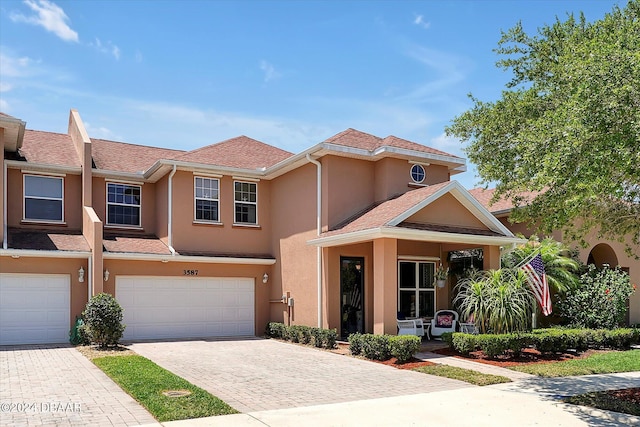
<point>602,254</point>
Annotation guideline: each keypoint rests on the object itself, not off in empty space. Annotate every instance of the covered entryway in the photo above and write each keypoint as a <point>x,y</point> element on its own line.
<point>34,308</point>
<point>176,307</point>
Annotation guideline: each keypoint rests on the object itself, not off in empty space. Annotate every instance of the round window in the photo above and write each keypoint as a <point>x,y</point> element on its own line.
<point>417,173</point>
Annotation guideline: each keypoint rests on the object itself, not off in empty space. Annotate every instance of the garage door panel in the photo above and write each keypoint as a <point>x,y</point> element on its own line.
<point>34,308</point>
<point>186,307</point>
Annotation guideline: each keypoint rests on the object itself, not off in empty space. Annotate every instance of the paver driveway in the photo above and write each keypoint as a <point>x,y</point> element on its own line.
<point>56,385</point>
<point>257,374</point>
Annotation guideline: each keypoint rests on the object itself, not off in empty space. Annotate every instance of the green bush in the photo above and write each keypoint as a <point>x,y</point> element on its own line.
<point>376,347</point>
<point>621,338</point>
<point>463,343</point>
<point>403,347</point>
<point>103,320</point>
<point>447,337</point>
<point>78,334</point>
<point>355,343</point>
<point>321,338</point>
<point>276,330</point>
<point>600,301</point>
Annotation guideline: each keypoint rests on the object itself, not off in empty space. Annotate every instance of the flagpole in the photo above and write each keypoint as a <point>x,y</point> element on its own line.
<point>527,259</point>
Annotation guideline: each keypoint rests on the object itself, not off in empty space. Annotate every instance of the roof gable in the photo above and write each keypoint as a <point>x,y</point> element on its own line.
<point>240,152</point>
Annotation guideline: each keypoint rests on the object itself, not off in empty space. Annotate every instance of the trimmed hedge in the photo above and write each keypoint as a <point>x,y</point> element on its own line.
<point>383,347</point>
<point>554,340</point>
<point>319,337</point>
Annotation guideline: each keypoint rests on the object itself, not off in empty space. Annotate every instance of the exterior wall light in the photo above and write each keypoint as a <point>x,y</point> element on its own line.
<point>106,275</point>
<point>265,278</point>
<point>81,275</point>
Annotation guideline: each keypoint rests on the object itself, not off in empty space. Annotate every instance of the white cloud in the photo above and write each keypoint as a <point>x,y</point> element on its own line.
<point>13,66</point>
<point>5,87</point>
<point>101,132</point>
<point>448,144</point>
<point>107,48</point>
<point>419,20</point>
<point>4,105</point>
<point>270,72</point>
<point>49,16</point>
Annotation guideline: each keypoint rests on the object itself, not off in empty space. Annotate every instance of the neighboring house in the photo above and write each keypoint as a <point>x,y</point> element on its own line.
<point>220,240</point>
<point>597,251</point>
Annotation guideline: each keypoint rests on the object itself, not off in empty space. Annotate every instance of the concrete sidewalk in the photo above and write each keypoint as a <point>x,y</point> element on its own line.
<point>477,406</point>
<point>474,366</point>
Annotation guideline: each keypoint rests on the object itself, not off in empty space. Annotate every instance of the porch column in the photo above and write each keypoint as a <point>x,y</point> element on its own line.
<point>491,256</point>
<point>385,286</point>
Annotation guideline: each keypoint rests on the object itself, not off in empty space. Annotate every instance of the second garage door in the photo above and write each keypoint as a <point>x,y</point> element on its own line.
<point>168,307</point>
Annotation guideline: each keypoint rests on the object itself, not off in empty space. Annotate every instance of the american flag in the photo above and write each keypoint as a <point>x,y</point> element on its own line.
<point>537,279</point>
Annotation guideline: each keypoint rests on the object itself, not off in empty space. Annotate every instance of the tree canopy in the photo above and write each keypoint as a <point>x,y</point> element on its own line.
<point>566,126</point>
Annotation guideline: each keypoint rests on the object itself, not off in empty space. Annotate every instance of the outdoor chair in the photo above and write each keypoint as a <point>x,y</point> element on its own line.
<point>443,321</point>
<point>411,327</point>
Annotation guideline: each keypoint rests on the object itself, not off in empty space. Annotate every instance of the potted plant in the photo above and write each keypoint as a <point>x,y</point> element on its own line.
<point>441,276</point>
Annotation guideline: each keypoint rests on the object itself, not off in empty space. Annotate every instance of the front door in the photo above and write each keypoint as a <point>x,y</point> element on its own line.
<point>351,295</point>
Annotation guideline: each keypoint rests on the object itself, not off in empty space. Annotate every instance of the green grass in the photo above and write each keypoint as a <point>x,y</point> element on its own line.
<point>145,381</point>
<point>461,374</point>
<point>600,363</point>
<point>603,400</point>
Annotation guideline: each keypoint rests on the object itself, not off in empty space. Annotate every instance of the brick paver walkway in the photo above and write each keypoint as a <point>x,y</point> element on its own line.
<point>56,385</point>
<point>257,374</point>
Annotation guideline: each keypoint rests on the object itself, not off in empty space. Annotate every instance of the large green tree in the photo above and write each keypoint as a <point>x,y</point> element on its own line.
<point>567,126</point>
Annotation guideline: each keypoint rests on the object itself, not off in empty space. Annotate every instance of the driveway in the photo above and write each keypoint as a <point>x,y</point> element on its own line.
<point>56,385</point>
<point>258,374</point>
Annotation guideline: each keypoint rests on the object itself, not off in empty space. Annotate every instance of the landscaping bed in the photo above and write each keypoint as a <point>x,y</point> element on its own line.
<point>527,357</point>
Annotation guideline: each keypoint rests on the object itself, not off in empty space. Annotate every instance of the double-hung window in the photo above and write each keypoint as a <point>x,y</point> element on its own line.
<point>246,202</point>
<point>43,198</point>
<point>123,204</point>
<point>207,199</point>
<point>416,293</point>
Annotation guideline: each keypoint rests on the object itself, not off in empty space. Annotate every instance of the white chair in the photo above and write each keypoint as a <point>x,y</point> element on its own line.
<point>411,327</point>
<point>443,321</point>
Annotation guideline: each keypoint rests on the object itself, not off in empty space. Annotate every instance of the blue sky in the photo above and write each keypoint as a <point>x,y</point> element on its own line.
<point>184,74</point>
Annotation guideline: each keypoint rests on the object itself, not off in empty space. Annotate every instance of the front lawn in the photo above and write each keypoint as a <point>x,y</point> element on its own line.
<point>466,375</point>
<point>146,381</point>
<point>599,363</point>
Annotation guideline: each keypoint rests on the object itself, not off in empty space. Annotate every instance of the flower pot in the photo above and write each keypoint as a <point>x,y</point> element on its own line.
<point>441,282</point>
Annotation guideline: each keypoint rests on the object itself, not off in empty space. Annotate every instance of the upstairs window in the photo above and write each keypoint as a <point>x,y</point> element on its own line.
<point>246,202</point>
<point>207,199</point>
<point>418,174</point>
<point>123,204</point>
<point>43,198</point>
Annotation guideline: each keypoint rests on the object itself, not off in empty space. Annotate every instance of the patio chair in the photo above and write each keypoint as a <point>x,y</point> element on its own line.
<point>411,327</point>
<point>443,321</point>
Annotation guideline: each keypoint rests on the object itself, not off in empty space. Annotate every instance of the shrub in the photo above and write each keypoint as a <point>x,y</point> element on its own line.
<point>403,347</point>
<point>78,334</point>
<point>376,347</point>
<point>463,343</point>
<point>103,320</point>
<point>276,330</point>
<point>600,300</point>
<point>355,343</point>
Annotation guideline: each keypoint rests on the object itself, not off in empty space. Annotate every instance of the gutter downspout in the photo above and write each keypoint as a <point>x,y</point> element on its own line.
<point>90,278</point>
<point>170,213</point>
<point>318,231</point>
<point>4,205</point>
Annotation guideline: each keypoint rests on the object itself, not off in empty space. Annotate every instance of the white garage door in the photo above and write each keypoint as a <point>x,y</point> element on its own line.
<point>176,307</point>
<point>34,308</point>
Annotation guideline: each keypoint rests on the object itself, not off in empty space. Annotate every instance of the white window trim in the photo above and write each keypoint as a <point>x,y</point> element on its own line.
<point>417,289</point>
<point>235,202</point>
<point>195,199</point>
<point>24,199</point>
<point>424,172</point>
<point>139,206</point>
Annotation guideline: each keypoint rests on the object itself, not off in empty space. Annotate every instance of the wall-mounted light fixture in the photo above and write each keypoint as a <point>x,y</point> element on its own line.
<point>81,275</point>
<point>265,278</point>
<point>106,275</point>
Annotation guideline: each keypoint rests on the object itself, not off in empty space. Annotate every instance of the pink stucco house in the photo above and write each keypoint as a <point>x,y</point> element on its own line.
<point>220,240</point>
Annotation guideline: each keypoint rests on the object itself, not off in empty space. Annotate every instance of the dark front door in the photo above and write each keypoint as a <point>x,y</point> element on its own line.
<point>351,295</point>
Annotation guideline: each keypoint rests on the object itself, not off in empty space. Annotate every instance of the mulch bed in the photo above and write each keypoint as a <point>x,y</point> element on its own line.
<point>631,395</point>
<point>527,357</point>
<point>411,364</point>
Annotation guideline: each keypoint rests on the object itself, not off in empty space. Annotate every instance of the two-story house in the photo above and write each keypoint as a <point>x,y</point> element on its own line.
<point>220,240</point>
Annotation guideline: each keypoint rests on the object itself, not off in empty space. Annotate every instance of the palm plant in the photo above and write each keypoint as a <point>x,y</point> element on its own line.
<point>560,266</point>
<point>499,301</point>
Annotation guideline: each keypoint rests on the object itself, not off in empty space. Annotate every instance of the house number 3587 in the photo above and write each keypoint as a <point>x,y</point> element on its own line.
<point>190,272</point>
